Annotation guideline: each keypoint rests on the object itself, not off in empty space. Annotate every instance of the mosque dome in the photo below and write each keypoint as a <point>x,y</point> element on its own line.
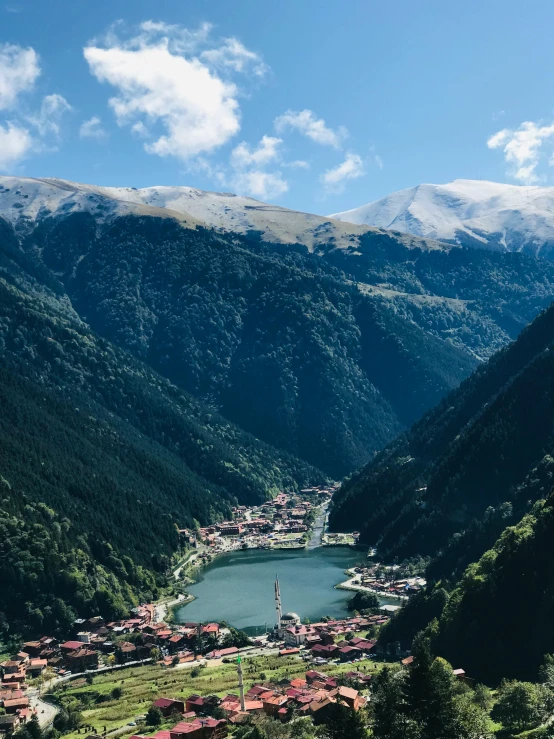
<point>291,617</point>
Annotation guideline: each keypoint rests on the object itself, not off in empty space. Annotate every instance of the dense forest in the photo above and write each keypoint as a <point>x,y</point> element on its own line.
<point>504,599</point>
<point>279,342</point>
<point>326,355</point>
<point>475,299</point>
<point>100,461</point>
<point>508,592</point>
<point>470,487</point>
<point>448,487</point>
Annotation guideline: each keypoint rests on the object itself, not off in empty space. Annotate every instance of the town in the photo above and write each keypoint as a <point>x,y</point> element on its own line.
<point>96,646</point>
<point>285,522</point>
<point>149,638</point>
<point>342,656</point>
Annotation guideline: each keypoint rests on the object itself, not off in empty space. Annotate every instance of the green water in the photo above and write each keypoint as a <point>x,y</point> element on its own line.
<point>238,587</point>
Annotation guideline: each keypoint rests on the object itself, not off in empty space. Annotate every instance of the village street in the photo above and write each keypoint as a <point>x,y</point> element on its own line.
<point>45,711</point>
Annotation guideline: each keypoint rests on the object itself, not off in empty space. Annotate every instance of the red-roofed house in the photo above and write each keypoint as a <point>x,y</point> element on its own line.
<point>169,705</point>
<point>349,653</point>
<point>13,705</point>
<point>36,666</point>
<point>70,646</point>
<point>194,703</point>
<point>82,659</point>
<point>200,728</point>
<point>297,682</point>
<point>326,651</point>
<point>14,678</point>
<point>351,697</point>
<point>211,629</point>
<point>220,653</point>
<point>312,675</point>
<point>273,703</point>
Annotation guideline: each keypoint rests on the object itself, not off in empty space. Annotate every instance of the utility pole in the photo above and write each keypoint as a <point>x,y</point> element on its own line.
<point>241,684</point>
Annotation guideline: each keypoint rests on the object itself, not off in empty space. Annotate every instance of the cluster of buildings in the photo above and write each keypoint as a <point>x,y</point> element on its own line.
<point>327,638</point>
<point>331,640</point>
<point>95,642</point>
<point>384,583</point>
<point>282,522</point>
<point>311,696</point>
<point>13,690</point>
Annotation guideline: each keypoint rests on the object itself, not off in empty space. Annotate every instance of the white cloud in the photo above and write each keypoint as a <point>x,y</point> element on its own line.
<point>298,164</point>
<point>378,161</point>
<point>334,179</point>
<point>260,184</point>
<point>267,151</point>
<point>139,130</point>
<point>235,56</point>
<point>307,123</point>
<point>92,129</point>
<point>19,69</point>
<point>47,121</point>
<point>197,109</point>
<point>227,54</point>
<point>25,132</point>
<point>172,85</point>
<point>522,149</point>
<point>249,176</point>
<point>15,144</point>
<point>180,40</point>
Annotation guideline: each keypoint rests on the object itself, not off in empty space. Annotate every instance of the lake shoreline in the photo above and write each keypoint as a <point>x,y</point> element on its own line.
<point>238,587</point>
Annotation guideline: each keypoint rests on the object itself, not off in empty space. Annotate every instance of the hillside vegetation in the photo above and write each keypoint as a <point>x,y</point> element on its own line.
<point>457,473</point>
<point>509,591</point>
<point>470,487</point>
<point>100,461</point>
<point>278,341</point>
<point>154,376</point>
<point>326,355</point>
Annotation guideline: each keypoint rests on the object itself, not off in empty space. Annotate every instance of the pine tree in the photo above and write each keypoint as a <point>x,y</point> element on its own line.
<point>390,719</point>
<point>344,723</point>
<point>419,685</point>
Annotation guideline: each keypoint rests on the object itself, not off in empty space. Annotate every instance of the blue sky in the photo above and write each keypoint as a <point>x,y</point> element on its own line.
<point>319,105</point>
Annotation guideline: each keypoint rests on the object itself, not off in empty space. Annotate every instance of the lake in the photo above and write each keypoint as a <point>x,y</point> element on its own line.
<point>239,587</point>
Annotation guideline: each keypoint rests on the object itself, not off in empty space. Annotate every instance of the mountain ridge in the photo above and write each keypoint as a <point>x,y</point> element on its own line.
<point>473,213</point>
<point>327,354</point>
<point>22,203</point>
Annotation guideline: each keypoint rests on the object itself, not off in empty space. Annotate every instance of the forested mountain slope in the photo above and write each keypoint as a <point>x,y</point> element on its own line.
<point>281,343</point>
<point>448,487</point>
<point>100,461</point>
<point>327,355</point>
<point>508,591</point>
<point>511,585</point>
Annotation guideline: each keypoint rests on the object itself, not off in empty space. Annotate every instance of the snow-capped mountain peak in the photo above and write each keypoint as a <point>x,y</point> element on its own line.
<point>25,200</point>
<point>467,212</point>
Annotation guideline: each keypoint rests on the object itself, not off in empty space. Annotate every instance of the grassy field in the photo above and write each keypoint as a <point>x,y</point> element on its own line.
<point>142,685</point>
